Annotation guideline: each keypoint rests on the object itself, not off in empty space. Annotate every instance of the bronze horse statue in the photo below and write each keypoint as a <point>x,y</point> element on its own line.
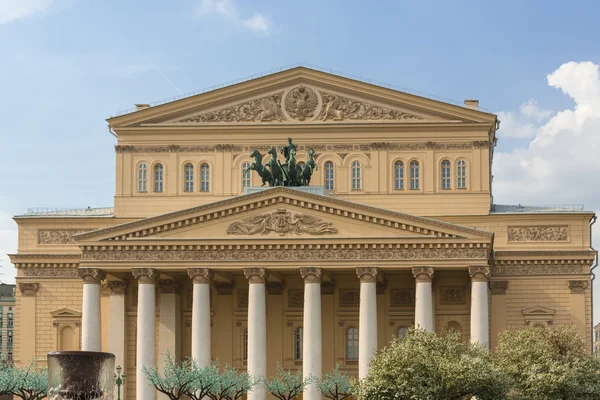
<point>294,171</point>
<point>263,172</point>
<point>309,168</point>
<point>275,167</point>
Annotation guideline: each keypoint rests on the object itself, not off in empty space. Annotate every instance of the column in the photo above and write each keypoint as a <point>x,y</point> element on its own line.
<point>367,326</point>
<point>146,330</point>
<point>169,324</point>
<point>117,327</point>
<point>311,330</point>
<point>423,298</point>
<point>201,340</point>
<point>91,329</point>
<point>257,332</point>
<point>480,330</point>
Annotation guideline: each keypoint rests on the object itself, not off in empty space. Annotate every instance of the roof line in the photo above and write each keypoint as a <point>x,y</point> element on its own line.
<point>289,67</point>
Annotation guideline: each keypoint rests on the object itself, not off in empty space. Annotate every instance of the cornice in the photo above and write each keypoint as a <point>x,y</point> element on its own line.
<point>549,254</point>
<point>297,198</point>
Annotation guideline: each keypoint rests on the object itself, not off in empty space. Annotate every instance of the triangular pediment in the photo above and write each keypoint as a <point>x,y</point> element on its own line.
<point>538,311</point>
<point>300,96</point>
<point>280,214</point>
<point>65,313</point>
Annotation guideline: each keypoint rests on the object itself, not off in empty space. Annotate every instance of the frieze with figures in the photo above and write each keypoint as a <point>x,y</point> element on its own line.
<point>57,237</point>
<point>538,234</point>
<point>282,222</point>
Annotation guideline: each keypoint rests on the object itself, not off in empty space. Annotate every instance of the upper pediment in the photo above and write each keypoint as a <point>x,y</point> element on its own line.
<point>301,95</point>
<point>281,213</point>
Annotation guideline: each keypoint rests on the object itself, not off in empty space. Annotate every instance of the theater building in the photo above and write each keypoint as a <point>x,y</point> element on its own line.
<point>397,228</point>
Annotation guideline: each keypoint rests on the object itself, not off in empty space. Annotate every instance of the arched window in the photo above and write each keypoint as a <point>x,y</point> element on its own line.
<point>142,177</point>
<point>204,177</point>
<point>399,175</point>
<point>298,337</point>
<point>414,175</point>
<point>355,175</point>
<point>158,178</point>
<point>189,178</point>
<point>329,176</point>
<point>352,343</point>
<point>402,331</point>
<point>446,174</point>
<point>461,174</point>
<point>246,344</point>
<point>246,177</point>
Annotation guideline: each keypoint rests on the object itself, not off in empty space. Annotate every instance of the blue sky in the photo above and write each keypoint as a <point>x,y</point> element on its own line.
<point>66,65</point>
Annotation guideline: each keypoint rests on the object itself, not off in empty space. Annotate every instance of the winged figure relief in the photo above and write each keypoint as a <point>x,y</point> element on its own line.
<point>270,110</point>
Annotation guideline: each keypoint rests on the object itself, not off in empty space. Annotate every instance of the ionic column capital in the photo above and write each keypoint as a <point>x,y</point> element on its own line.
<point>423,274</point>
<point>311,274</point>
<point>367,274</point>
<point>145,275</point>
<point>498,287</point>
<point>28,289</point>
<point>91,275</point>
<point>200,275</point>
<point>255,275</point>
<point>117,287</point>
<point>479,273</point>
<point>168,286</point>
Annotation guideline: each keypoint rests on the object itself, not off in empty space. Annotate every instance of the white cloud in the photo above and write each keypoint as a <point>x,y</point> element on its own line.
<point>11,10</point>
<point>8,245</point>
<point>228,11</point>
<point>524,123</point>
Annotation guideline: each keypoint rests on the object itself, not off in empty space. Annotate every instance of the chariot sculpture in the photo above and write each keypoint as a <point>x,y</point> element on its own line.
<point>289,173</point>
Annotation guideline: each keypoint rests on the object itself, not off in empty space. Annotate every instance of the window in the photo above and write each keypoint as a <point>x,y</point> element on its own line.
<point>142,177</point>
<point>189,178</point>
<point>355,175</point>
<point>298,337</point>
<point>246,344</point>
<point>399,175</point>
<point>9,356</point>
<point>204,177</point>
<point>158,178</point>
<point>10,323</point>
<point>329,176</point>
<point>352,343</point>
<point>414,175</point>
<point>461,174</point>
<point>10,338</point>
<point>445,174</point>
<point>402,331</point>
<point>246,177</point>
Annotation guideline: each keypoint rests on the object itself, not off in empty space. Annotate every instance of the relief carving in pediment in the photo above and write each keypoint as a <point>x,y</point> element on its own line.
<point>282,222</point>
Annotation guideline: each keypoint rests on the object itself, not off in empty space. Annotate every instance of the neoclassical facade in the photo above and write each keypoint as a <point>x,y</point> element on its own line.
<point>398,228</point>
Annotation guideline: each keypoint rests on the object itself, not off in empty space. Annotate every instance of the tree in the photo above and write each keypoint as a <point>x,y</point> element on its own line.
<point>231,385</point>
<point>204,380</point>
<point>175,381</point>
<point>8,383</point>
<point>336,386</point>
<point>426,366</point>
<point>287,386</point>
<point>549,364</point>
<point>30,382</point>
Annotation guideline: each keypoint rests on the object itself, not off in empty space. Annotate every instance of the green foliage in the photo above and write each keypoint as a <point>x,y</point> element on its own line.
<point>336,386</point>
<point>175,380</point>
<point>287,386</point>
<point>8,384</point>
<point>30,382</point>
<point>204,380</point>
<point>548,364</point>
<point>231,385</point>
<point>426,366</point>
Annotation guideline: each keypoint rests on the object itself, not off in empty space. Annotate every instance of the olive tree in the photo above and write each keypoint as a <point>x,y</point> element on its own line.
<point>175,379</point>
<point>30,382</point>
<point>205,379</point>
<point>287,386</point>
<point>548,364</point>
<point>424,365</point>
<point>336,386</point>
<point>231,385</point>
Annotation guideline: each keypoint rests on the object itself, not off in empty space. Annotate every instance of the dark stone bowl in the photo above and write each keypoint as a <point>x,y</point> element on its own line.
<point>80,375</point>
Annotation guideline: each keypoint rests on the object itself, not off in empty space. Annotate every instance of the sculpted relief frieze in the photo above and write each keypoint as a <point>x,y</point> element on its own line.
<point>57,236</point>
<point>282,222</point>
<point>538,234</point>
<point>302,103</point>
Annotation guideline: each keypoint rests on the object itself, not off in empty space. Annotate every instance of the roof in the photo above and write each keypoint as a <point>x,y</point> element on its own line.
<point>7,290</point>
<point>69,212</point>
<point>552,209</point>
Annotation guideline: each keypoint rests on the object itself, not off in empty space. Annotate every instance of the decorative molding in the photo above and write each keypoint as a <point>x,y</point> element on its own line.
<point>498,287</point>
<point>200,275</point>
<point>538,234</point>
<point>169,286</point>
<point>367,274</point>
<point>255,275</point>
<point>174,148</point>
<point>340,108</point>
<point>265,109</point>
<point>57,237</point>
<point>423,274</point>
<point>242,298</point>
<point>453,295</point>
<point>224,288</point>
<point>301,253</point>
<point>311,274</point>
<point>387,146</point>
<point>479,273</point>
<point>301,103</point>
<point>117,287</point>
<point>91,275</point>
<point>281,221</point>
<point>349,298</point>
<point>295,298</point>
<point>551,254</point>
<point>402,297</point>
<point>28,289</point>
<point>145,275</point>
<point>538,315</point>
<point>541,269</point>
<point>578,286</point>
<point>51,272</point>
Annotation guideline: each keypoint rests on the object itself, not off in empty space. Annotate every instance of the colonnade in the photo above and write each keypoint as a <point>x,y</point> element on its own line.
<point>257,318</point>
